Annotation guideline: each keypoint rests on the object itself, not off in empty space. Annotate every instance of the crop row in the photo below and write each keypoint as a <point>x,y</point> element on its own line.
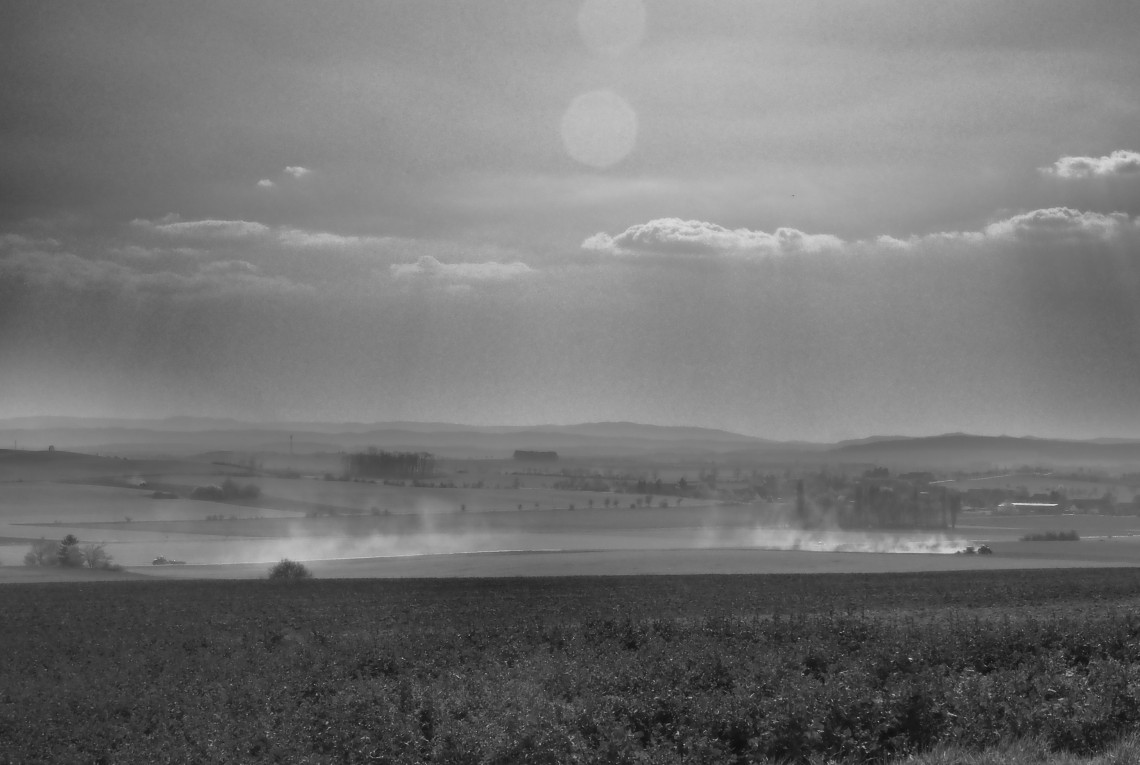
<point>693,669</point>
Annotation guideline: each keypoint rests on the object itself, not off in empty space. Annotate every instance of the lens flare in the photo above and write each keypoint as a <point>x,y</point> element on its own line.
<point>599,128</point>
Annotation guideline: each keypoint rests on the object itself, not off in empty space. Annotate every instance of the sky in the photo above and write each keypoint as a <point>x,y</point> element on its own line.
<point>787,218</point>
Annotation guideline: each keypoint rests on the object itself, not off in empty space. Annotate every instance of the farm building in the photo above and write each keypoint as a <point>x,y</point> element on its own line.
<point>1031,508</point>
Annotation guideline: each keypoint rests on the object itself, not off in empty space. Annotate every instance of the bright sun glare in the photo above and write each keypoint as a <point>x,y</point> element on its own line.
<point>599,129</point>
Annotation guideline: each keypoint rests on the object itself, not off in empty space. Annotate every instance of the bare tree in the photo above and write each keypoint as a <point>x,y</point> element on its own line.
<point>95,556</point>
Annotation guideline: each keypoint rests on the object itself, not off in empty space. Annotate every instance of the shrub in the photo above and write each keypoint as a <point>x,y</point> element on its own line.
<point>208,493</point>
<point>231,489</point>
<point>289,570</point>
<point>42,553</point>
<point>95,556</point>
<point>1052,536</point>
<point>65,552</point>
<point>68,553</point>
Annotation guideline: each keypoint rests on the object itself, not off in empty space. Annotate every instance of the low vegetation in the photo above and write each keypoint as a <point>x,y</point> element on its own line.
<point>69,553</point>
<point>1052,536</point>
<point>289,571</point>
<point>229,491</point>
<point>625,669</point>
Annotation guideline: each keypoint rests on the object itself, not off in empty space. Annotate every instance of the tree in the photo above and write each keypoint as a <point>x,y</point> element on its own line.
<point>95,556</point>
<point>231,489</point>
<point>42,553</point>
<point>289,571</point>
<point>68,553</point>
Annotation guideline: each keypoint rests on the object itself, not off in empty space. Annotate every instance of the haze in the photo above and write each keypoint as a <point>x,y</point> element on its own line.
<point>783,219</point>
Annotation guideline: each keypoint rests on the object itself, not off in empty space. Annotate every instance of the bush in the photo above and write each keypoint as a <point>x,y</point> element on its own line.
<point>66,552</point>
<point>289,570</point>
<point>42,553</point>
<point>231,489</point>
<point>96,556</point>
<point>1052,536</point>
<point>208,493</point>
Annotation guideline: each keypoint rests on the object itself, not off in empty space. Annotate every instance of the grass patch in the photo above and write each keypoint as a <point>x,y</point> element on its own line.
<point>1030,752</point>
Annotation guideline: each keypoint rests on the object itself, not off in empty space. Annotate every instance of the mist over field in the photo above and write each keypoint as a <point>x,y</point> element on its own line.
<point>624,497</point>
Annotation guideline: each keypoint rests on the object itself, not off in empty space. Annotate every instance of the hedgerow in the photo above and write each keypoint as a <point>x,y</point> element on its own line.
<point>667,669</point>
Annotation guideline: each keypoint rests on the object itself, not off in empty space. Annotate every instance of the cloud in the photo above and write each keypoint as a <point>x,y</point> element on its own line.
<point>296,237</point>
<point>1062,225</point>
<point>61,269</point>
<point>297,171</point>
<point>19,241</point>
<point>692,237</point>
<point>430,268</point>
<point>172,225</point>
<point>1118,163</point>
<point>1053,226</point>
<point>265,183</point>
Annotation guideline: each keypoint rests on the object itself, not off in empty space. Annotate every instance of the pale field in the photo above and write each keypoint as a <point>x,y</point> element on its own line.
<point>631,562</point>
<point>400,500</point>
<point>63,466</point>
<point>1043,484</point>
<point>572,544</point>
<point>425,534</point>
<point>1013,527</point>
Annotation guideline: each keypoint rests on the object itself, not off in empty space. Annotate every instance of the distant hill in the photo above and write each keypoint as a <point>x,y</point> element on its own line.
<point>959,451</point>
<point>184,436</point>
<point>60,465</point>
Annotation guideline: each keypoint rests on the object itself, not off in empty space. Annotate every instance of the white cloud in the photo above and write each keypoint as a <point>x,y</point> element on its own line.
<point>1118,163</point>
<point>297,171</point>
<point>296,237</point>
<point>429,267</point>
<point>692,237</point>
<point>66,270</point>
<point>1062,225</point>
<point>265,183</point>
<point>172,225</point>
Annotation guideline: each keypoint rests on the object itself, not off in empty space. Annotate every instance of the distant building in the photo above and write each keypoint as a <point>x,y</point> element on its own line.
<point>1031,508</point>
<point>985,498</point>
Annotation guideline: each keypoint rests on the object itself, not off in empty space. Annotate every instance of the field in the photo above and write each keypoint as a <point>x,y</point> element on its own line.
<point>1043,483</point>
<point>586,669</point>
<point>341,528</point>
<point>507,625</point>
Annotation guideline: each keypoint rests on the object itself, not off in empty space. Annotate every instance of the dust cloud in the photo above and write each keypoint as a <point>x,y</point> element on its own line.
<point>833,541</point>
